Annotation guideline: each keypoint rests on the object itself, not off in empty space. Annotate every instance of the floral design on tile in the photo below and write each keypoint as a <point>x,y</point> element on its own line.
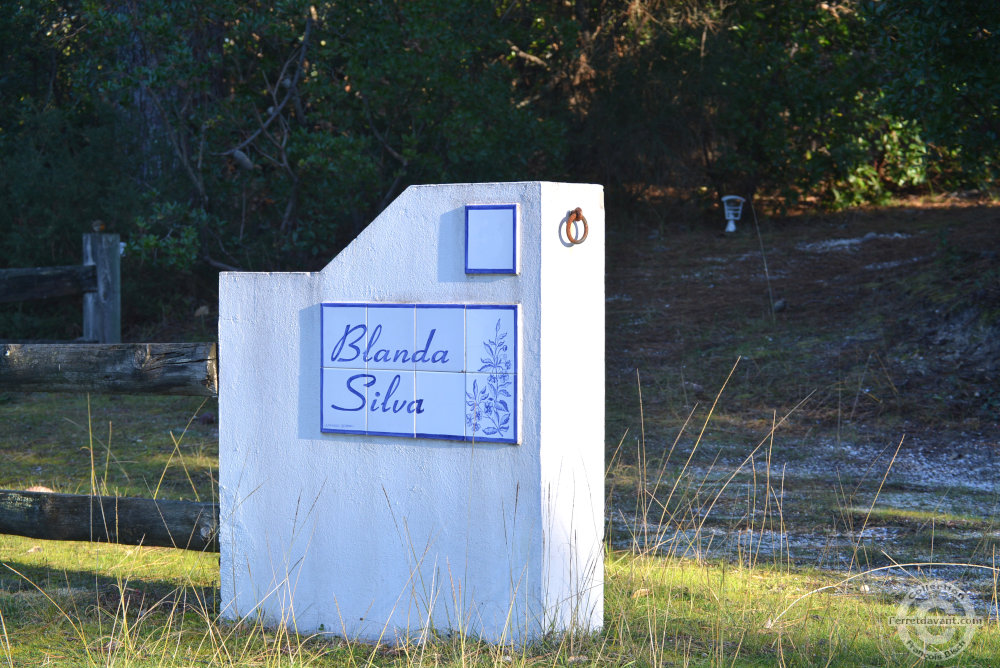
<point>488,402</point>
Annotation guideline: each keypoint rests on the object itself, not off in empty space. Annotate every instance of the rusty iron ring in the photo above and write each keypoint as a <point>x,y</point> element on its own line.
<point>574,216</point>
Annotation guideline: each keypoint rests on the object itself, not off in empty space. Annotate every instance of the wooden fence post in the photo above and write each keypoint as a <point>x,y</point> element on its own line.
<point>102,310</point>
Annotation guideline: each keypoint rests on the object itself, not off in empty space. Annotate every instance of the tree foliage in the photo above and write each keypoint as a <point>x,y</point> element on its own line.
<point>942,73</point>
<point>265,135</point>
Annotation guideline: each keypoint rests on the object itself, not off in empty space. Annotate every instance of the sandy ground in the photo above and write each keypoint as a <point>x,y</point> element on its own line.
<point>870,330</point>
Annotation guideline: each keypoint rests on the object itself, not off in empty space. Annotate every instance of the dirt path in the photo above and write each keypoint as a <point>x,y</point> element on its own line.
<point>885,329</point>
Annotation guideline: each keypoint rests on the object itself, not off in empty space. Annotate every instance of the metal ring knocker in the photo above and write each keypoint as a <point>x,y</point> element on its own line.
<point>574,216</point>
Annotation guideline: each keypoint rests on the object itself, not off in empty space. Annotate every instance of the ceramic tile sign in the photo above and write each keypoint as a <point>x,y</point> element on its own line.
<point>441,371</point>
<point>491,239</point>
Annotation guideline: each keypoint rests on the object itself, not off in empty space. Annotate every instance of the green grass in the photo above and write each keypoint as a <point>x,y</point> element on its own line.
<point>921,519</point>
<point>669,602</point>
<point>133,446</point>
<point>658,612</point>
<point>680,612</point>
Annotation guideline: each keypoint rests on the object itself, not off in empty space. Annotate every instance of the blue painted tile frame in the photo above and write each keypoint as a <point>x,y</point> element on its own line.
<point>500,376</point>
<point>474,266</point>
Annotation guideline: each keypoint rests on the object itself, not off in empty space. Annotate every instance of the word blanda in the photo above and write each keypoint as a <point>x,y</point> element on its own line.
<point>352,345</point>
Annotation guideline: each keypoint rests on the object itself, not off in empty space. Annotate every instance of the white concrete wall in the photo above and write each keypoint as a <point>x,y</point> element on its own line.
<point>572,417</point>
<point>384,537</point>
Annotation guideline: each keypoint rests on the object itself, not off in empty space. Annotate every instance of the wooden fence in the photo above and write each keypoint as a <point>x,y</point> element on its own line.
<point>134,368</point>
<point>110,519</point>
<point>98,279</point>
<point>116,368</point>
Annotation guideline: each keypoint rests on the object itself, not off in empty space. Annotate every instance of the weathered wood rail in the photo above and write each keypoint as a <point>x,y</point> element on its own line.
<point>46,282</point>
<point>186,525</point>
<point>121,368</point>
<point>98,279</point>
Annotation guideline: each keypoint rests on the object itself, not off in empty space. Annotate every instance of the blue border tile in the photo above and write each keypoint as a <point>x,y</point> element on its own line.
<point>494,439</point>
<point>501,307</point>
<point>513,260</point>
<point>322,327</point>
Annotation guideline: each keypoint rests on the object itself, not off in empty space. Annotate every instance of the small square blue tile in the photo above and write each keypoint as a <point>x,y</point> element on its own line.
<point>389,344</point>
<point>441,405</point>
<point>344,394</point>
<point>391,403</point>
<point>344,332</point>
<point>491,407</point>
<point>491,239</point>
<point>491,339</point>
<point>440,341</point>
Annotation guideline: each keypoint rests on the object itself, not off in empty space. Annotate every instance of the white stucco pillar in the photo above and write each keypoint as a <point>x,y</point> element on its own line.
<point>412,438</point>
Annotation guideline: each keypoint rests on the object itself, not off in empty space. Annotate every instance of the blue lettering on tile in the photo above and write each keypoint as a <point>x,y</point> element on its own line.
<point>454,376</point>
